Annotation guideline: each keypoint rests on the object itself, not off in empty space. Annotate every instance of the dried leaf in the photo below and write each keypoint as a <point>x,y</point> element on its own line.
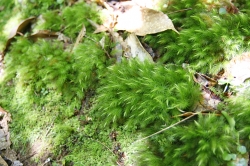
<point>45,34</point>
<point>21,27</point>
<point>143,21</point>
<point>136,49</point>
<point>17,30</point>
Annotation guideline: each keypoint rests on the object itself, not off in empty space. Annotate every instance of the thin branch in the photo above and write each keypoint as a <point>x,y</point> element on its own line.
<point>158,132</point>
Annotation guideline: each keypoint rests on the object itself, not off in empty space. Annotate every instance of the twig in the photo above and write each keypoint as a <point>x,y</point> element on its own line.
<point>180,10</point>
<point>187,114</point>
<point>167,127</point>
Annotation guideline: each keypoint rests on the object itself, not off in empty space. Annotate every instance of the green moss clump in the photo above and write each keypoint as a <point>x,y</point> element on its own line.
<point>47,86</point>
<point>239,108</point>
<point>36,7</point>
<point>142,94</point>
<point>199,144</point>
<point>79,13</point>
<point>206,38</point>
<point>193,142</point>
<point>5,14</point>
<point>62,21</point>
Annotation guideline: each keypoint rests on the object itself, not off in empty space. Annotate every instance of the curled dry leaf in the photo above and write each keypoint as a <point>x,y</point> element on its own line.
<point>21,27</point>
<point>45,34</point>
<point>17,30</point>
<point>136,49</point>
<point>143,21</point>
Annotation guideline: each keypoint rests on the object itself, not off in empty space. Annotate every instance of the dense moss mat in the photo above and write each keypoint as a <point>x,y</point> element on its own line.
<point>70,99</point>
<point>206,37</point>
<point>143,94</point>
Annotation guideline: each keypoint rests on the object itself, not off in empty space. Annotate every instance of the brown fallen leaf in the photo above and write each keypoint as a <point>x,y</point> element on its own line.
<point>45,34</point>
<point>131,17</point>
<point>20,29</point>
<point>143,21</point>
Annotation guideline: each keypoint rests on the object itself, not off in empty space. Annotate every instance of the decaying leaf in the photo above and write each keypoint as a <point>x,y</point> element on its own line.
<point>136,49</point>
<point>21,27</point>
<point>143,21</point>
<point>209,100</point>
<point>17,30</point>
<point>130,16</point>
<point>237,71</point>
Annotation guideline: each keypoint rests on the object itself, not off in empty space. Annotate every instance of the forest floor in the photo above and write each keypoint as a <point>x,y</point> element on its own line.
<point>94,82</point>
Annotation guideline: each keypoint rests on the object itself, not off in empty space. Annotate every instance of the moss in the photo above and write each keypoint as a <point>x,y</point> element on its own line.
<point>37,7</point>
<point>72,98</point>
<point>46,86</point>
<point>239,107</point>
<point>5,13</point>
<point>142,94</point>
<point>79,13</point>
<point>206,38</point>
